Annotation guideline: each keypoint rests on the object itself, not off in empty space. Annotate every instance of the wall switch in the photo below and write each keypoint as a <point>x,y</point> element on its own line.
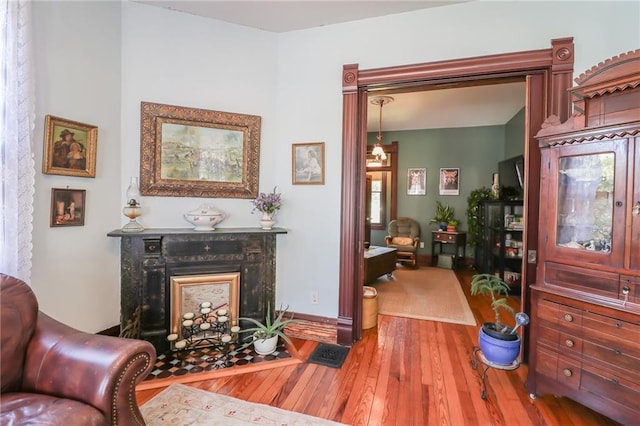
<point>314,297</point>
<point>421,244</point>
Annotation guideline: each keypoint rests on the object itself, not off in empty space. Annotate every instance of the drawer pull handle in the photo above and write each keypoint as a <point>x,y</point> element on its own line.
<point>617,351</point>
<point>618,325</point>
<point>567,372</point>
<point>568,317</point>
<point>569,343</point>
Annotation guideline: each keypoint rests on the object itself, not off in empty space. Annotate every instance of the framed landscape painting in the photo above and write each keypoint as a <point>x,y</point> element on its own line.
<point>191,152</point>
<point>69,147</point>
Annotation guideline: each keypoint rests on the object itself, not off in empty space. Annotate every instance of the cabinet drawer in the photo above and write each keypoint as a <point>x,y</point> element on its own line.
<point>445,238</point>
<point>558,367</point>
<point>561,342</point>
<point>619,358</point>
<point>609,386</point>
<point>633,284</point>
<point>611,328</point>
<point>595,282</point>
<point>563,315</point>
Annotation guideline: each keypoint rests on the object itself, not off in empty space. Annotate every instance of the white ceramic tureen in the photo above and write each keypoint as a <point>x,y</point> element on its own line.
<point>204,218</point>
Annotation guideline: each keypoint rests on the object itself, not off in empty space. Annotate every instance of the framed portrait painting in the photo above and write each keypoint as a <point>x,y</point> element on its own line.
<point>449,181</point>
<point>416,181</point>
<point>69,147</point>
<point>67,207</point>
<point>192,152</point>
<point>307,163</point>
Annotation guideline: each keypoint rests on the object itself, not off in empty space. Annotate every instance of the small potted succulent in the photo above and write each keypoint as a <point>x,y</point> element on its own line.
<point>499,343</point>
<point>265,335</point>
<point>452,225</point>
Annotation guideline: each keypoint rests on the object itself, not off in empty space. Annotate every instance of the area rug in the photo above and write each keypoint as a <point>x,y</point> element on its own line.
<point>424,293</point>
<point>329,355</point>
<point>183,405</point>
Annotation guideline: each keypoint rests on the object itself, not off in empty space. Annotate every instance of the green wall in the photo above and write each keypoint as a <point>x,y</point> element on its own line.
<point>514,135</point>
<point>475,150</point>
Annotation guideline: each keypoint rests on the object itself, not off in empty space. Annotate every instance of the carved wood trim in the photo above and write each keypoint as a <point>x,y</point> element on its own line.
<point>556,62</point>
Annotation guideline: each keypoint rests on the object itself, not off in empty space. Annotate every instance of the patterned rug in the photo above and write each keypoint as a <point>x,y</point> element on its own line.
<point>425,293</point>
<point>183,405</point>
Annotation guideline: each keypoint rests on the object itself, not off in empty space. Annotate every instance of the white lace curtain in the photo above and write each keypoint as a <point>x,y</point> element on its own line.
<point>17,116</point>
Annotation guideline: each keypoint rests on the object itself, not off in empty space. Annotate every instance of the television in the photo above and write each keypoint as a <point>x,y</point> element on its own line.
<point>511,172</point>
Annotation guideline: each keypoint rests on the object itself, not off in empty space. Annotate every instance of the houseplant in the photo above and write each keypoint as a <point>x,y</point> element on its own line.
<point>452,225</point>
<point>265,335</point>
<point>444,213</point>
<point>268,205</point>
<point>499,343</point>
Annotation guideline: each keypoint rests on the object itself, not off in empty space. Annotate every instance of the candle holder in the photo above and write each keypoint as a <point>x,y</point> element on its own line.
<point>205,329</point>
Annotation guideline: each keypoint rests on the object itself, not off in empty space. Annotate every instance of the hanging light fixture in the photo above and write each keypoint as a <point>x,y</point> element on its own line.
<point>378,152</point>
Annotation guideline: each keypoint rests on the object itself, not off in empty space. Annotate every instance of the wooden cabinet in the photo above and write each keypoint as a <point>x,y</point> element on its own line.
<point>502,246</point>
<point>585,305</point>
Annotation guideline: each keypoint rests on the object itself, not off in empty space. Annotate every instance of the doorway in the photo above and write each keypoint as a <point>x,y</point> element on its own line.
<point>548,74</point>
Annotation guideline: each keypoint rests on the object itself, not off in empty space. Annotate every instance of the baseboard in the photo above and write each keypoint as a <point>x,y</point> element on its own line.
<point>313,327</point>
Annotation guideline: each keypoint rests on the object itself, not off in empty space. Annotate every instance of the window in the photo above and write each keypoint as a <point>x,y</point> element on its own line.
<point>378,199</point>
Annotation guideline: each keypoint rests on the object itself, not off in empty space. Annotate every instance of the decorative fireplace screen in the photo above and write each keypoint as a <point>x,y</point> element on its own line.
<point>188,292</point>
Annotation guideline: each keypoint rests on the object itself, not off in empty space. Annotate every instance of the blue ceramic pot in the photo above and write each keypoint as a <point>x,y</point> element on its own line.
<point>498,351</point>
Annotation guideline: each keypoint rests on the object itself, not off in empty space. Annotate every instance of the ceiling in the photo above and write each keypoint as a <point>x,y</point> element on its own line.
<point>445,108</point>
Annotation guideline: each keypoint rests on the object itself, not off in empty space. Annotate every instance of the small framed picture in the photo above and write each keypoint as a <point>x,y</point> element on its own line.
<point>69,148</point>
<point>450,181</point>
<point>67,207</point>
<point>416,181</point>
<point>307,163</point>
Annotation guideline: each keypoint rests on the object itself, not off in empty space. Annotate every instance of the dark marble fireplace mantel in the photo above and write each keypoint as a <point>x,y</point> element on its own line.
<point>149,259</point>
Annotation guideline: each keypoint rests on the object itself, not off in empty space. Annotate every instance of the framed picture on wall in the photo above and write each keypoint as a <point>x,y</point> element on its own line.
<point>449,181</point>
<point>416,181</point>
<point>67,207</point>
<point>307,163</point>
<point>193,152</point>
<point>69,147</point>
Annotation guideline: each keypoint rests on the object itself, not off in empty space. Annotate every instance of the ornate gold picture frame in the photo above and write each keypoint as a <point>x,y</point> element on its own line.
<point>191,152</point>
<point>69,147</point>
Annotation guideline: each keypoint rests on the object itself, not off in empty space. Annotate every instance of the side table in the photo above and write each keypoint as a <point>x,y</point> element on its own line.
<point>457,238</point>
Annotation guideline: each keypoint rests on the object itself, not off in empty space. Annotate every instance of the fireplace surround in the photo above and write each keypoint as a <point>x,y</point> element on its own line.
<point>149,259</point>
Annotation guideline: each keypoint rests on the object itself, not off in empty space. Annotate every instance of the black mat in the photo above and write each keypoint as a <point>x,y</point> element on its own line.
<point>329,355</point>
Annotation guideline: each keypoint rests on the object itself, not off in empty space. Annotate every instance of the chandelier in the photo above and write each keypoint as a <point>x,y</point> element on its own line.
<point>378,152</point>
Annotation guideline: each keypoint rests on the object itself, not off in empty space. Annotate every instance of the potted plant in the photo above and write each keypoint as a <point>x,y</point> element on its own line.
<point>499,343</point>
<point>444,213</point>
<point>452,225</point>
<point>265,335</point>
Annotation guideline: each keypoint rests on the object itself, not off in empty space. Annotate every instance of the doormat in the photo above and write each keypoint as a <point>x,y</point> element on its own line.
<point>329,355</point>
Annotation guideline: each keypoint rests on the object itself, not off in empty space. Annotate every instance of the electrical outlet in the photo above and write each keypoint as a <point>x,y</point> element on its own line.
<point>314,297</point>
<point>421,244</point>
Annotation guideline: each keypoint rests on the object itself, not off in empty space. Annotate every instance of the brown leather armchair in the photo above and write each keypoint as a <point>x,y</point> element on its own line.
<point>404,236</point>
<point>53,374</point>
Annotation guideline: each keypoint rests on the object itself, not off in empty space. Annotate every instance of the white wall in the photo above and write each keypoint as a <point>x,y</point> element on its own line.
<point>310,104</point>
<point>77,57</point>
<point>292,80</point>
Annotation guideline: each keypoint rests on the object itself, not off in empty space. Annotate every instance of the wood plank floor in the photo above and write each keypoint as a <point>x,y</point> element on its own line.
<point>405,372</point>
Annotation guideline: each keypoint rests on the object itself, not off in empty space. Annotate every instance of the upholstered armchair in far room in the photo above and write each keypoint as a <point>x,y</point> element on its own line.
<point>55,375</point>
<point>404,236</point>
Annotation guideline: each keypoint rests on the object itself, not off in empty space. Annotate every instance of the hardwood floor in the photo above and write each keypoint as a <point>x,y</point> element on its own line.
<point>405,372</point>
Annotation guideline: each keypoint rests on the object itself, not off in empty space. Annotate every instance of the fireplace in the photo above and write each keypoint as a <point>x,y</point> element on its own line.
<point>152,258</point>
